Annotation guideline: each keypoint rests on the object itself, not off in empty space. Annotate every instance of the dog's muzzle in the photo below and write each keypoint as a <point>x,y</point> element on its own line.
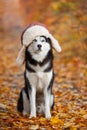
<point>39,47</point>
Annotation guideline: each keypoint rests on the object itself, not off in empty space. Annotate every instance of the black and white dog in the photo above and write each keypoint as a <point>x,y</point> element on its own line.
<point>36,52</point>
<point>37,94</point>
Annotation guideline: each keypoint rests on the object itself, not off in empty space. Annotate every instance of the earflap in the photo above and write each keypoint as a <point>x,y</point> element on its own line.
<point>55,44</point>
<point>21,56</point>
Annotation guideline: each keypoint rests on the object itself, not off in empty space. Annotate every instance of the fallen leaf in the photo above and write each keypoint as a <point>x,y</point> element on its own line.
<point>55,121</point>
<point>34,127</point>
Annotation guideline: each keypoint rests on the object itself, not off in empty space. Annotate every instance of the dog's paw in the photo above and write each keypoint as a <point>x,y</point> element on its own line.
<point>32,115</point>
<point>48,116</point>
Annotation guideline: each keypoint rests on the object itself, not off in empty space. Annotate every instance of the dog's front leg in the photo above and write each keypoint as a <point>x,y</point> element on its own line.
<point>47,103</point>
<point>32,96</point>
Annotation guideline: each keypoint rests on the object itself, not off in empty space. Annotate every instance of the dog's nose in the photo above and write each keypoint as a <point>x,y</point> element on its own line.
<point>39,46</point>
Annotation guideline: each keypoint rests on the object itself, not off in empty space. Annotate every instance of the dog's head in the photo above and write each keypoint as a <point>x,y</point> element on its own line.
<point>38,41</point>
<point>39,47</point>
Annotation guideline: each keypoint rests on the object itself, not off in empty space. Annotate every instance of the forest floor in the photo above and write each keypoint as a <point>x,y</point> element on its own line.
<point>67,20</point>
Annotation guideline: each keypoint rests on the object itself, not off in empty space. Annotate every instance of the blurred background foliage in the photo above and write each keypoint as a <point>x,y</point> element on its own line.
<point>66,19</point>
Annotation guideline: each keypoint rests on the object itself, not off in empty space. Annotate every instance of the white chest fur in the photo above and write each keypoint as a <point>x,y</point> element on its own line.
<point>39,80</point>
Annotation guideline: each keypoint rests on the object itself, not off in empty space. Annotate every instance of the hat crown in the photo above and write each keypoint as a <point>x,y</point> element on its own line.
<point>31,32</point>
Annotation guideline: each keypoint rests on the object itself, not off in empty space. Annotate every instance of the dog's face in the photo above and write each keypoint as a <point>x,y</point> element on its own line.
<point>40,44</point>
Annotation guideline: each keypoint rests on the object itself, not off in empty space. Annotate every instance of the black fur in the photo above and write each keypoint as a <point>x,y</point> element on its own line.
<point>20,102</point>
<point>28,67</point>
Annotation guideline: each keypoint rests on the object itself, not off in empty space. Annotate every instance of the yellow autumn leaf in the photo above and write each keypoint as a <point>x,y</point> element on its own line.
<point>15,124</point>
<point>42,121</point>
<point>73,128</point>
<point>3,114</point>
<point>82,112</point>
<point>85,116</point>
<point>67,124</point>
<point>34,127</point>
<point>56,120</point>
<point>56,5</point>
<point>82,125</point>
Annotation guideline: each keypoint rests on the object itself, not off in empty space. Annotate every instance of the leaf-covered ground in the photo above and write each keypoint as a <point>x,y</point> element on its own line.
<point>67,20</point>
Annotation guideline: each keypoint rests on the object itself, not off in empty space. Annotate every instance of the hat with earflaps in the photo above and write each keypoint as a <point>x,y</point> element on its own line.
<point>29,35</point>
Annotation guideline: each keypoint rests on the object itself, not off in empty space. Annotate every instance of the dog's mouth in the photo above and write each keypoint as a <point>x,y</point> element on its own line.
<point>38,50</point>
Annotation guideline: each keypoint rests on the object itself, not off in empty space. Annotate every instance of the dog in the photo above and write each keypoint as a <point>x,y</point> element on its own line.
<point>37,95</point>
<point>36,52</point>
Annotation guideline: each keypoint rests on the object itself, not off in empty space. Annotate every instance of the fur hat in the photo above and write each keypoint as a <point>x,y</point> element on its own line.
<point>29,35</point>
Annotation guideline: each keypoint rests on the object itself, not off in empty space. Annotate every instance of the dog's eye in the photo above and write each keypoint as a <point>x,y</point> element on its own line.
<point>43,40</point>
<point>34,41</point>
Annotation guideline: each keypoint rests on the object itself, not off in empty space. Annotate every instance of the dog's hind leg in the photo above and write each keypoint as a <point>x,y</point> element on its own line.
<point>25,103</point>
<point>20,103</point>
